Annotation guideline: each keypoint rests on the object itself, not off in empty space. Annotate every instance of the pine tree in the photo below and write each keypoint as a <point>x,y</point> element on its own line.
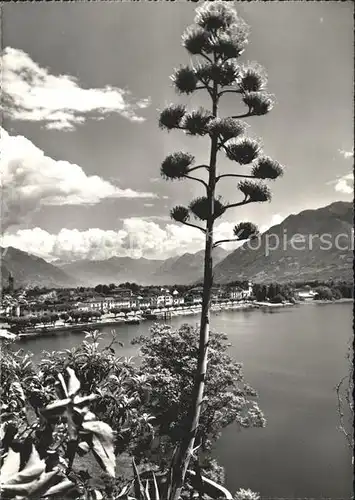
<point>217,38</point>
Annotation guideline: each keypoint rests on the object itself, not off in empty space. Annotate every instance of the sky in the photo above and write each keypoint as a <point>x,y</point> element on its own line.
<point>83,85</point>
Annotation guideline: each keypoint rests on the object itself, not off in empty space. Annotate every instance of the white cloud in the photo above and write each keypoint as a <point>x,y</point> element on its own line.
<point>345,184</point>
<point>31,93</point>
<point>346,154</point>
<point>136,238</point>
<point>30,179</point>
<point>275,219</point>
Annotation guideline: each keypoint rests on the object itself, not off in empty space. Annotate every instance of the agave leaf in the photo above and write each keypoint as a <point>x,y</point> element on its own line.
<point>146,491</point>
<point>31,489</point>
<point>124,492</point>
<point>61,487</point>
<point>102,444</point>
<point>56,408</point>
<point>10,466</point>
<point>63,384</point>
<point>80,400</point>
<point>27,475</point>
<point>156,489</point>
<point>138,486</point>
<point>73,383</point>
<point>32,470</point>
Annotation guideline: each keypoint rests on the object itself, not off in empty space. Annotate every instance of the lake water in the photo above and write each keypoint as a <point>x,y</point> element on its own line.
<point>293,357</point>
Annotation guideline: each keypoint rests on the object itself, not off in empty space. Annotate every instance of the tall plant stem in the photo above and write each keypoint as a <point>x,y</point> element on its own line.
<point>184,452</point>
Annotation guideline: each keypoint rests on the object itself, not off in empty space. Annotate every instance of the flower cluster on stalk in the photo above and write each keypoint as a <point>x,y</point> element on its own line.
<point>220,36</point>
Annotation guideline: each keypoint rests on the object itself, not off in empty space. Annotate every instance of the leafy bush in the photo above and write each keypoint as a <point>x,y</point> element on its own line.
<point>37,454</point>
<point>278,299</point>
<point>169,359</point>
<point>138,412</point>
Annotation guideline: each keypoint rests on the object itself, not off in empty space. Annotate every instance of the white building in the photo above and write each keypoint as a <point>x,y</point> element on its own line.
<point>143,302</point>
<point>236,293</point>
<point>177,299</point>
<point>249,291</point>
<point>305,294</point>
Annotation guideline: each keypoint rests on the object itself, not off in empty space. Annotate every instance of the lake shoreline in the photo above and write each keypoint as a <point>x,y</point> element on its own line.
<point>35,333</point>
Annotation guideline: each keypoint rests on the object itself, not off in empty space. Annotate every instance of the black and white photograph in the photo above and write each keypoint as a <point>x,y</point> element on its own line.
<point>176,245</point>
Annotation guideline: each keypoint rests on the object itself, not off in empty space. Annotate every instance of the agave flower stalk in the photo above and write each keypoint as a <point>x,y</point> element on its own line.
<point>217,38</point>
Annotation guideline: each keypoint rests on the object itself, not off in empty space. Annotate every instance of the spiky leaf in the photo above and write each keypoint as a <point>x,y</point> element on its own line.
<point>255,191</point>
<point>73,383</point>
<point>266,168</point>
<point>200,208</point>
<point>176,165</point>
<point>23,475</point>
<point>227,128</point>
<point>102,444</point>
<point>243,151</point>
<point>171,116</point>
<point>215,15</point>
<point>185,80</point>
<point>196,122</point>
<point>180,214</point>
<point>259,103</point>
<point>245,230</point>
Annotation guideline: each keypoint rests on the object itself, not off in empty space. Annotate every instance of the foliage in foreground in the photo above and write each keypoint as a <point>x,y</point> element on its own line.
<point>169,359</point>
<point>38,449</point>
<point>86,404</point>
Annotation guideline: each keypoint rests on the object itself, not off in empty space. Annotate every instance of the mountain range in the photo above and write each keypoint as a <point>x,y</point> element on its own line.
<point>179,270</point>
<point>314,244</point>
<point>31,270</point>
<point>289,261</point>
<point>28,269</point>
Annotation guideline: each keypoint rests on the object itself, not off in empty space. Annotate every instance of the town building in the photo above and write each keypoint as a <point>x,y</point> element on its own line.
<point>304,294</point>
<point>177,299</point>
<point>236,293</point>
<point>248,292</point>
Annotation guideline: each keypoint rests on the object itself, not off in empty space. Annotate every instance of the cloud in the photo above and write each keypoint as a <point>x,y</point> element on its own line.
<point>136,238</point>
<point>345,184</point>
<point>346,154</point>
<point>30,179</point>
<point>275,220</point>
<point>31,93</point>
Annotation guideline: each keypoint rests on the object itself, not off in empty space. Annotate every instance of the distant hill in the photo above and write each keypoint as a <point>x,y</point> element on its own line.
<point>286,263</point>
<point>28,269</point>
<point>186,268</point>
<point>179,270</point>
<point>113,270</point>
